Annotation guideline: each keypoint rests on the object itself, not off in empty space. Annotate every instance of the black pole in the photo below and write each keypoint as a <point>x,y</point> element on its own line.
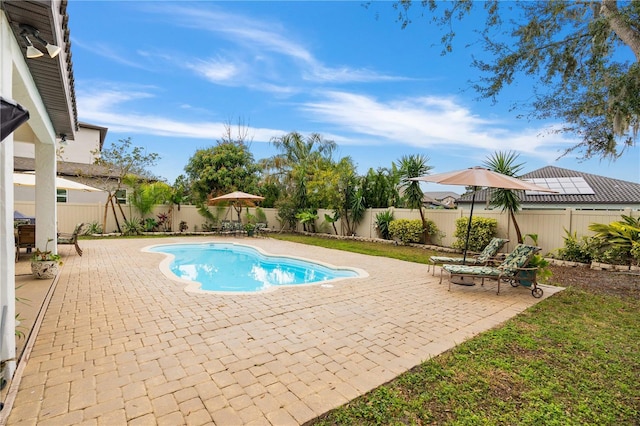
<point>466,244</point>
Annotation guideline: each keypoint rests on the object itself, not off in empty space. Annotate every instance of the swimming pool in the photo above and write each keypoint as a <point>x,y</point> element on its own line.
<point>231,267</point>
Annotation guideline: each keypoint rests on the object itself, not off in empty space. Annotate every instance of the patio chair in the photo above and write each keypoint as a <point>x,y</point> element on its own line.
<point>512,269</point>
<point>25,237</point>
<point>486,256</point>
<point>261,227</point>
<point>71,238</point>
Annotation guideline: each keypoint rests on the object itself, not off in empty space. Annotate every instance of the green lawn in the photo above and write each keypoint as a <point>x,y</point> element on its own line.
<point>573,359</point>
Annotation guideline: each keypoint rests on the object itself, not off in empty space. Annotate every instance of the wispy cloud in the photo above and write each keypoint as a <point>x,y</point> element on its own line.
<point>108,51</point>
<point>266,43</point>
<point>428,122</point>
<point>109,107</point>
<point>215,70</point>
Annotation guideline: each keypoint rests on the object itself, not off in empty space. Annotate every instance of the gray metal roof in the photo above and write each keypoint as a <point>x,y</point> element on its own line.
<point>53,77</point>
<point>607,190</point>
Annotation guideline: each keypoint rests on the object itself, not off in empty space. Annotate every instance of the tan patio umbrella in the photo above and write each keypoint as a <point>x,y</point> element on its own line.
<point>480,177</point>
<point>238,199</point>
<point>29,179</point>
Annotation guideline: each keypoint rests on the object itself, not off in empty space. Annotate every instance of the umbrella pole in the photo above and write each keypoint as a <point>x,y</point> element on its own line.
<point>466,244</point>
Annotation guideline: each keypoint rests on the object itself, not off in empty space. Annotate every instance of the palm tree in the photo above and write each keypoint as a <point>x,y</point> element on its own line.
<point>298,157</point>
<point>412,166</point>
<point>506,199</point>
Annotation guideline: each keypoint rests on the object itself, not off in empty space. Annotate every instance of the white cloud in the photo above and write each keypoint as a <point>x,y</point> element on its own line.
<point>428,122</point>
<point>215,70</point>
<point>267,43</point>
<point>109,52</point>
<point>107,106</point>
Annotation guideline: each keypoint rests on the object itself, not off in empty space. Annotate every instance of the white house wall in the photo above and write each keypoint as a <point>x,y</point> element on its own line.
<point>7,245</point>
<point>17,83</point>
<point>79,150</point>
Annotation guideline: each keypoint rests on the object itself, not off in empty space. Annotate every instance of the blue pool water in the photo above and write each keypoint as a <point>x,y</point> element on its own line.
<point>239,268</point>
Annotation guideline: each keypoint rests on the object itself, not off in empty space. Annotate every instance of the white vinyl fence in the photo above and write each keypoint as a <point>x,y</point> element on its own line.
<point>549,225</point>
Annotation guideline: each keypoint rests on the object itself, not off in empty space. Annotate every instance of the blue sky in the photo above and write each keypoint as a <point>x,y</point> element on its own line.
<point>172,75</point>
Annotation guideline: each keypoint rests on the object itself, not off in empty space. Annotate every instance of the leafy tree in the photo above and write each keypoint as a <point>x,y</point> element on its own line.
<point>147,194</point>
<point>351,205</point>
<point>506,199</point>
<point>380,187</point>
<point>122,160</point>
<point>577,52</point>
<point>412,166</point>
<point>223,168</point>
<point>295,165</point>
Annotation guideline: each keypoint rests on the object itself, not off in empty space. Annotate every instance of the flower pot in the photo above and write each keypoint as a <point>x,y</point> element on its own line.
<point>44,269</point>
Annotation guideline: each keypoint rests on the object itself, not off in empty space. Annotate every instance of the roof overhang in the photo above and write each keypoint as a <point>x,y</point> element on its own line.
<point>53,77</point>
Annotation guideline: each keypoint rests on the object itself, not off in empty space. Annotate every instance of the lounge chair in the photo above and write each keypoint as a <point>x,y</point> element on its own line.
<point>512,269</point>
<point>487,255</point>
<point>71,238</point>
<point>25,238</point>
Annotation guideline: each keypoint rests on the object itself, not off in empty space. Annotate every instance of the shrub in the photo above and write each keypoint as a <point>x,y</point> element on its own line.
<point>287,213</point>
<point>482,231</point>
<point>618,240</point>
<point>132,227</point>
<point>431,230</point>
<point>614,255</point>
<point>261,217</point>
<point>383,219</point>
<point>405,230</point>
<point>575,250</point>
<point>308,219</point>
<point>93,228</point>
<point>149,224</point>
<point>635,252</point>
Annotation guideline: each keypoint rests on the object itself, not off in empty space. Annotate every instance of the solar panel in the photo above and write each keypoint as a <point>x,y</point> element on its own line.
<point>564,185</point>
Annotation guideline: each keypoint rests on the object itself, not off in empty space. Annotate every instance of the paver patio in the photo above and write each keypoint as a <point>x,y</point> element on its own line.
<point>121,343</point>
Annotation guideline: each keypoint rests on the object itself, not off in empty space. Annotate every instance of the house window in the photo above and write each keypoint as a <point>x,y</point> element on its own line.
<point>121,196</point>
<point>61,195</point>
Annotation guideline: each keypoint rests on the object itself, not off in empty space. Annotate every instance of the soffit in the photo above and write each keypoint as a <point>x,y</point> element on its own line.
<point>53,76</point>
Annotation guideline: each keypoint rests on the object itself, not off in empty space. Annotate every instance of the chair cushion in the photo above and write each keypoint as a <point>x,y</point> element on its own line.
<point>458,260</point>
<point>487,271</point>
<point>518,258</point>
<point>491,249</point>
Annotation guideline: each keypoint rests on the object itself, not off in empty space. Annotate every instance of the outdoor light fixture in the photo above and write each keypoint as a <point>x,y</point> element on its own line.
<point>63,140</point>
<point>32,52</point>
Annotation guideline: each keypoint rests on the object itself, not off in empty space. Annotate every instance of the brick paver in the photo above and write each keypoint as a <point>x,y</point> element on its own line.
<point>122,343</point>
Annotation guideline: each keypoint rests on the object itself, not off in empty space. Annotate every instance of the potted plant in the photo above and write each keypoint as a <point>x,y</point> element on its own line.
<point>250,228</point>
<point>44,264</point>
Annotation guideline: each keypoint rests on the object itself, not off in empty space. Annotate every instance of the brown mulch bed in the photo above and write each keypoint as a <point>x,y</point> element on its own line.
<point>623,284</point>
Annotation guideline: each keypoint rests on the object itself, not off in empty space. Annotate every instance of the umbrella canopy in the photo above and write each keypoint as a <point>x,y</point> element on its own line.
<point>238,199</point>
<point>480,177</point>
<point>29,179</point>
<point>12,115</point>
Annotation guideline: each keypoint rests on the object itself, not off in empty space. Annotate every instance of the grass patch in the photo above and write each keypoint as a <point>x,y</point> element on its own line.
<point>400,252</point>
<point>573,359</point>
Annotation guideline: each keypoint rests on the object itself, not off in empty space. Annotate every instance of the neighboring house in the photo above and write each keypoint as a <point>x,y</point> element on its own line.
<point>576,190</point>
<point>43,84</point>
<point>437,199</point>
<point>74,162</point>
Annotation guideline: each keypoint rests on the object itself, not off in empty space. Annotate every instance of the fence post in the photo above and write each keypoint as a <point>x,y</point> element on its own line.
<point>568,217</point>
